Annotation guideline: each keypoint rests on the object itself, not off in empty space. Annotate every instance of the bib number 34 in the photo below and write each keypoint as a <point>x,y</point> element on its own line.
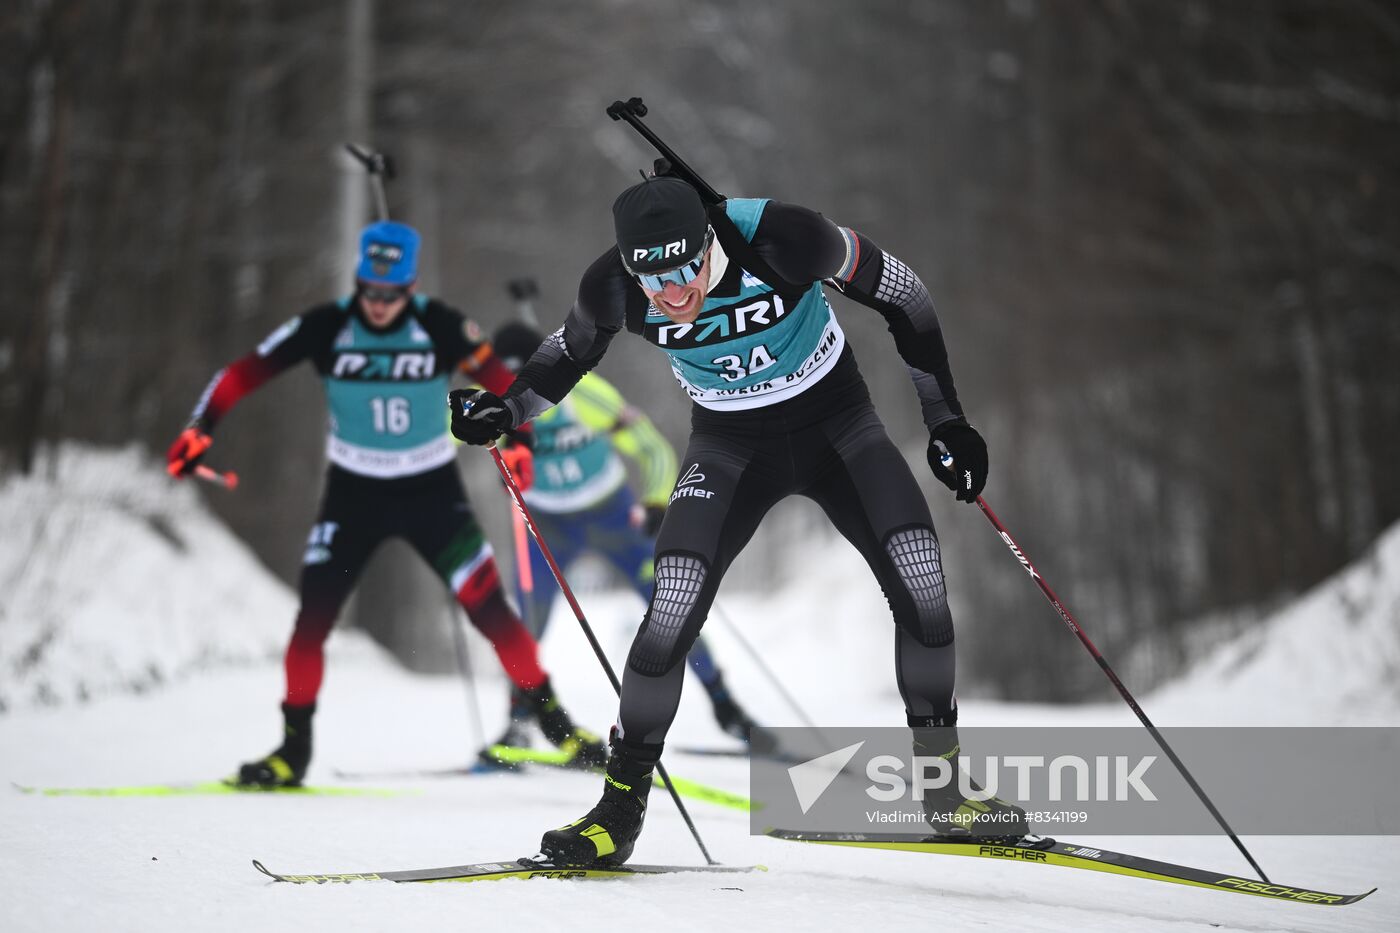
<point>736,369</point>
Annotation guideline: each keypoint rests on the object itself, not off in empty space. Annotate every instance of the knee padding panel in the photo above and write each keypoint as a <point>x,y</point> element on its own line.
<point>916,558</point>
<point>679,581</point>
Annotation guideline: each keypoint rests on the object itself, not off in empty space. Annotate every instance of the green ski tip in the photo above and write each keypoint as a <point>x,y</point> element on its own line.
<point>205,788</point>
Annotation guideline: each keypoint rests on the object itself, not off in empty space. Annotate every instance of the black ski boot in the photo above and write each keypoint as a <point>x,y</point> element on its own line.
<point>732,718</point>
<point>286,766</point>
<point>607,834</point>
<point>516,734</point>
<point>585,750</point>
<point>950,813</point>
<point>517,731</point>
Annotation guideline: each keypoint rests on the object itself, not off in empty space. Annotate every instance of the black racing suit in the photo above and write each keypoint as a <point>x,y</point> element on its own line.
<point>824,441</point>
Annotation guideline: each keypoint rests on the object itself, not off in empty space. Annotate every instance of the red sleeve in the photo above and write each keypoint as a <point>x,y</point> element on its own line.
<point>486,368</point>
<point>283,348</point>
<point>229,385</point>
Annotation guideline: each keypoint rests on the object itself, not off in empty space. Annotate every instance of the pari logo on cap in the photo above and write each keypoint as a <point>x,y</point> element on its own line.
<point>384,256</point>
<point>388,254</point>
<point>671,250</point>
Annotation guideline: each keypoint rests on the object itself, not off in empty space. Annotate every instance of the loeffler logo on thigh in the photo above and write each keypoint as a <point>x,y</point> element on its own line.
<point>689,485</point>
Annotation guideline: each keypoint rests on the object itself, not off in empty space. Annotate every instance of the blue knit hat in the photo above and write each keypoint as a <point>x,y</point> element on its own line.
<point>388,254</point>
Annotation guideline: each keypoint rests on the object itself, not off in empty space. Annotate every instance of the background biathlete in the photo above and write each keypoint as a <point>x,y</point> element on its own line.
<point>386,356</point>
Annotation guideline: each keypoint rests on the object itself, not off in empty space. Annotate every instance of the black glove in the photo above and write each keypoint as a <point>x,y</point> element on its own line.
<point>969,473</point>
<point>651,524</point>
<point>478,417</point>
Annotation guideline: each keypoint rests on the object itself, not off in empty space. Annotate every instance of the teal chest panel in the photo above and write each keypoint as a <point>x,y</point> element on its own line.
<point>386,391</point>
<point>754,348</point>
<point>569,455</point>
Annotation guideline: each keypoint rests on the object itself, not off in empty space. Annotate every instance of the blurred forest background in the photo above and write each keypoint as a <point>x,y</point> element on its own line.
<point>1164,241</point>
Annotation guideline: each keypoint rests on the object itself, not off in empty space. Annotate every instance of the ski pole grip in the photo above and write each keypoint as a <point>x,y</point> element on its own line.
<point>227,480</point>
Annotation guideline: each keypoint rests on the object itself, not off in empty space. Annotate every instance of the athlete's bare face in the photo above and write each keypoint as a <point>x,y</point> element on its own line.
<point>682,303</point>
<point>382,305</point>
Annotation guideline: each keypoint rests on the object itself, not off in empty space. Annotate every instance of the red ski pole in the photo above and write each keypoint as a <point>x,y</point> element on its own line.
<point>1097,655</point>
<point>227,480</point>
<point>522,567</point>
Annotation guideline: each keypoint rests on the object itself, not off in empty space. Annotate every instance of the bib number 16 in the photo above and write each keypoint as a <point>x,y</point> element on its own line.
<point>391,415</point>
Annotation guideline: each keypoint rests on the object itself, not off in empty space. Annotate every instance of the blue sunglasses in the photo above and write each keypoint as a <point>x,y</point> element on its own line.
<point>681,275</point>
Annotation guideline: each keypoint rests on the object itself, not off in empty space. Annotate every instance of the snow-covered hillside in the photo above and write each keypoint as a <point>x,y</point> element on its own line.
<point>99,597</point>
<point>1330,658</point>
<point>114,578</point>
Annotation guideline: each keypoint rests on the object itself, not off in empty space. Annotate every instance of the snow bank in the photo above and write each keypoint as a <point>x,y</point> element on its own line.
<point>1332,657</point>
<point>115,578</point>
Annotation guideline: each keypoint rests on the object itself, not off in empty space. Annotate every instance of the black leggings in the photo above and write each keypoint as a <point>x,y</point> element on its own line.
<point>431,513</point>
<point>735,469</point>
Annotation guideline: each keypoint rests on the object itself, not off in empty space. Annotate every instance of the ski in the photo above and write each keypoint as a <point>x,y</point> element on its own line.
<point>517,755</point>
<point>744,752</point>
<point>498,871</point>
<point>479,767</point>
<point>701,752</point>
<point>199,788</point>
<point>1046,851</point>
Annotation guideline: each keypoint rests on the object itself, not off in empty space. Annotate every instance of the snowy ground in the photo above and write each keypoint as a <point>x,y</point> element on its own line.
<point>74,863</point>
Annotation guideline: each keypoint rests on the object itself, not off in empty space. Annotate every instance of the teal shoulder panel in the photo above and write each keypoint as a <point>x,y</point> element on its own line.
<point>746,213</point>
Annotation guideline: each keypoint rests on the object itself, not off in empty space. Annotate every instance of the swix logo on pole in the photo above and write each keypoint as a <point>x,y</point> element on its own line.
<point>657,253</point>
<point>1019,556</point>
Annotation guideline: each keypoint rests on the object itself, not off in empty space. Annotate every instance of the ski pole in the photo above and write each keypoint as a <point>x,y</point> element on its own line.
<point>464,664</point>
<point>762,666</point>
<point>631,111</point>
<point>523,571</point>
<point>524,511</point>
<point>381,168</point>
<point>1074,627</point>
<point>524,291</point>
<point>228,480</point>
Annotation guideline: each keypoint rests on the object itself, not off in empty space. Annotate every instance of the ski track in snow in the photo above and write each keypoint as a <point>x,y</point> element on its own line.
<point>173,863</point>
<point>180,863</point>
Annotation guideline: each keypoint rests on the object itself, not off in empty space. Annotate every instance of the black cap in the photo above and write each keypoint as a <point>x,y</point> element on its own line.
<point>660,224</point>
<point>515,343</point>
